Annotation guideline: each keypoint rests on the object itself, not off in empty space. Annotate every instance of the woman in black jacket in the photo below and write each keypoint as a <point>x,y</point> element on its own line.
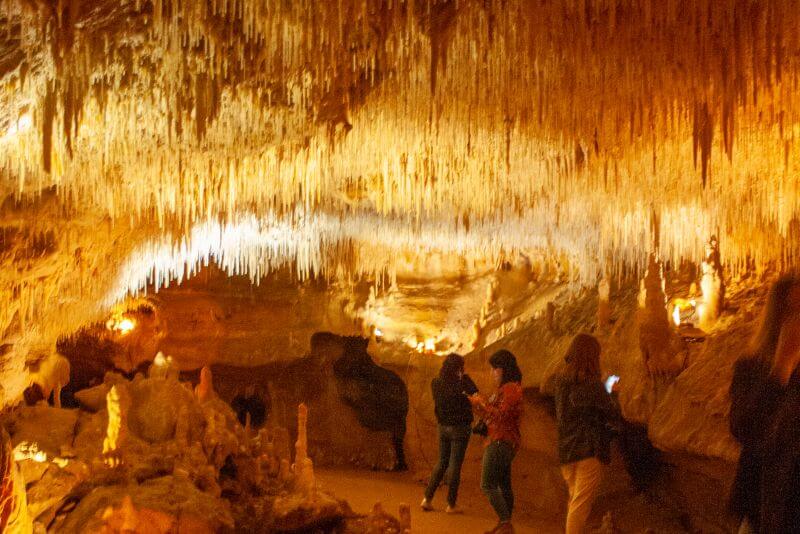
<point>585,413</point>
<point>454,415</point>
<point>762,418</point>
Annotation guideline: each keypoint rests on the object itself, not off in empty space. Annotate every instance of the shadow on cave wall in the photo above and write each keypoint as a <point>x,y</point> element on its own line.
<point>337,379</point>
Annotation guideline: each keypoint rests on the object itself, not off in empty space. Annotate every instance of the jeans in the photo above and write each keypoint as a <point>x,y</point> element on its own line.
<point>453,441</point>
<point>496,478</point>
<point>583,480</point>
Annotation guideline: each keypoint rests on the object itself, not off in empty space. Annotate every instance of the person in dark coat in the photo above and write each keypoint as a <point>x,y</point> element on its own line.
<point>451,390</point>
<point>585,414</point>
<point>765,399</point>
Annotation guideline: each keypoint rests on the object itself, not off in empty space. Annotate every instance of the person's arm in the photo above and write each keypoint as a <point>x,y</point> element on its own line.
<point>511,397</point>
<point>468,386</point>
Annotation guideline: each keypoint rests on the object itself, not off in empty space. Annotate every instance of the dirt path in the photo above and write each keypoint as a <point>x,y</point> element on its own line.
<point>362,489</point>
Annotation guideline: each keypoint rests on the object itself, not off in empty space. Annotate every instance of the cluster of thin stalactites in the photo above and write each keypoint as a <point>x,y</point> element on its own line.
<point>567,126</point>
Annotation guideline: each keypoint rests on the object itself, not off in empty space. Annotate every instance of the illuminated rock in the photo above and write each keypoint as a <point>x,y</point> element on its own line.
<point>712,285</point>
<point>661,349</point>
<point>51,374</point>
<point>205,389</point>
<point>303,466</point>
<point>118,405</point>
<point>14,517</point>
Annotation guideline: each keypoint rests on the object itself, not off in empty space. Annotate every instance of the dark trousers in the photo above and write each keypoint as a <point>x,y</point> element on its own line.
<point>496,478</point>
<point>453,441</point>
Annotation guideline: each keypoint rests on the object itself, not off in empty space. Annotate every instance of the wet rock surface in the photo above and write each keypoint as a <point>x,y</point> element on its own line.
<point>158,457</point>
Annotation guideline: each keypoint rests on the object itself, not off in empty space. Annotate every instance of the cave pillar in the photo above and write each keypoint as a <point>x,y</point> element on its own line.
<point>205,389</point>
<point>662,350</point>
<point>303,466</point>
<point>14,516</point>
<point>712,285</point>
<point>117,404</point>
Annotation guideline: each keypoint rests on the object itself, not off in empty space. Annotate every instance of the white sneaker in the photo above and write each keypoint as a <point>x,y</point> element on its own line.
<point>426,505</point>
<point>453,510</point>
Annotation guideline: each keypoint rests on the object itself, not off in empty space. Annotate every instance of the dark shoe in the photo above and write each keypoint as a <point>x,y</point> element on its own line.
<point>504,528</point>
<point>400,466</point>
<point>494,530</point>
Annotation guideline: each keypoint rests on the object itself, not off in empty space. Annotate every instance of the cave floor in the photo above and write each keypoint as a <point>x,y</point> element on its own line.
<point>362,489</point>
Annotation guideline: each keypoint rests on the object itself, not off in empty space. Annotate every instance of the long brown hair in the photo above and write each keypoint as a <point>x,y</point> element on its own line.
<point>583,359</point>
<point>452,365</point>
<point>777,309</point>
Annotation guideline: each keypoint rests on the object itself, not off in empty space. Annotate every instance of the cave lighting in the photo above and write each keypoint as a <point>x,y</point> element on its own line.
<point>21,125</point>
<point>125,326</point>
<point>29,451</point>
<point>121,324</point>
<point>676,316</point>
<point>683,309</point>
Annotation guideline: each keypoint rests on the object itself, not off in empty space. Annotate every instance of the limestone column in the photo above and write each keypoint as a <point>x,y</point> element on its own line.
<point>14,517</point>
<point>712,285</point>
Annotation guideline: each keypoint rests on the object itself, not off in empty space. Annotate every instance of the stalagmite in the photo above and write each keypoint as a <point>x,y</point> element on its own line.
<point>661,349</point>
<point>14,517</point>
<point>205,389</point>
<point>117,403</point>
<point>303,467</point>
<point>712,285</point>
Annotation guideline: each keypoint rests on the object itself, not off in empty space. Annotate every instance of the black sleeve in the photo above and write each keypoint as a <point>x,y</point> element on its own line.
<point>754,397</point>
<point>467,385</point>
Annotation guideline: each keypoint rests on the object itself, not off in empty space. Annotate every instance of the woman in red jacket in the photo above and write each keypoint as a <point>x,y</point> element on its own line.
<point>502,413</point>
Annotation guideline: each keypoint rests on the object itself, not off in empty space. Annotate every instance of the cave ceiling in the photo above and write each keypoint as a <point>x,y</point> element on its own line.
<point>343,138</point>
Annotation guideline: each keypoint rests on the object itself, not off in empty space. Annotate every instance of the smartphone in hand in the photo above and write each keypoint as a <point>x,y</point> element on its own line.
<point>610,382</point>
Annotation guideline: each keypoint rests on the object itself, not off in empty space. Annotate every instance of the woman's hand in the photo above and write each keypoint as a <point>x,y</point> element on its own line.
<point>477,401</point>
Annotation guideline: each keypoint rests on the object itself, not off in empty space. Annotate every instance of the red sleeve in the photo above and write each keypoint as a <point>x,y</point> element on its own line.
<point>511,396</point>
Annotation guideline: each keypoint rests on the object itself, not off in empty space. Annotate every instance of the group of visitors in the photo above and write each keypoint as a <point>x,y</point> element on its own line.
<point>585,413</point>
<point>764,418</point>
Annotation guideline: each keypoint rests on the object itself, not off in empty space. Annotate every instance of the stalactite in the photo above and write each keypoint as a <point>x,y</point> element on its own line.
<point>410,113</point>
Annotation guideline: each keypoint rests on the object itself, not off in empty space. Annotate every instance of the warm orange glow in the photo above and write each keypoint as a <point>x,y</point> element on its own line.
<point>682,308</point>
<point>29,451</point>
<point>121,324</point>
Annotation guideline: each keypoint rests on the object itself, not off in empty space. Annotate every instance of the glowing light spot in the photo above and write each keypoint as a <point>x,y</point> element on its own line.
<point>125,326</point>
<point>29,451</point>
<point>22,125</point>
